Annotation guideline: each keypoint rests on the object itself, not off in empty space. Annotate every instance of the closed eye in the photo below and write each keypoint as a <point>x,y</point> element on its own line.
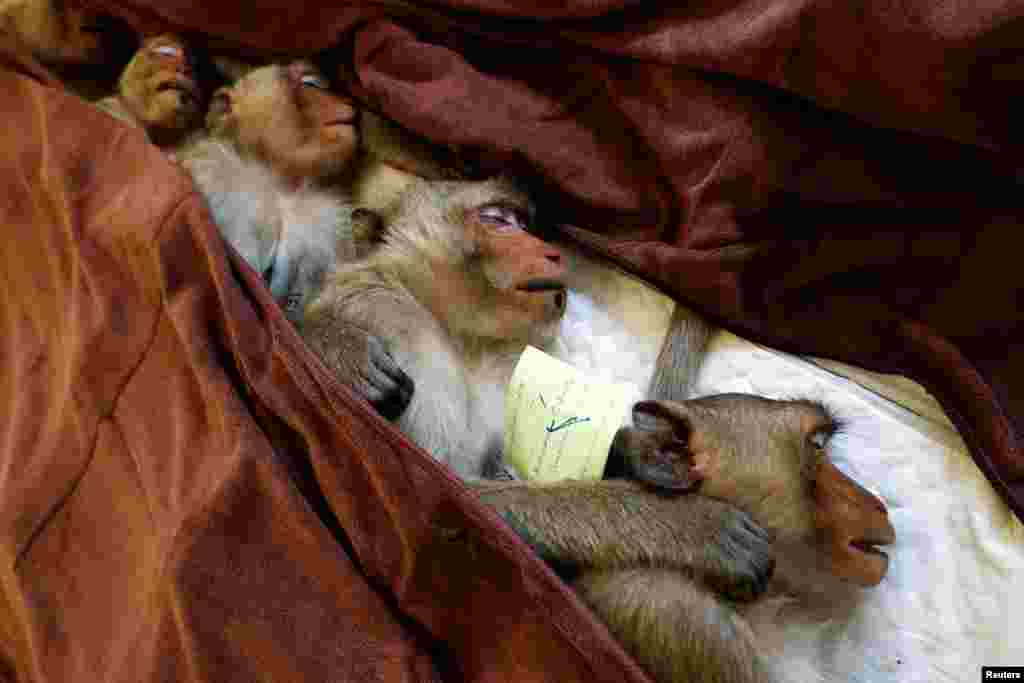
<point>168,50</point>
<point>502,217</point>
<point>820,437</point>
<point>314,81</point>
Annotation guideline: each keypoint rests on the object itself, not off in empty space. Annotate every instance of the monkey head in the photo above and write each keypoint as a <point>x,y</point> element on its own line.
<point>287,115</point>
<point>477,268</point>
<point>158,87</point>
<point>769,458</point>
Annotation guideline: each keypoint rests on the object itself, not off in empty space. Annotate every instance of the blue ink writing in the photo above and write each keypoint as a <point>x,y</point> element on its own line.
<point>568,423</point>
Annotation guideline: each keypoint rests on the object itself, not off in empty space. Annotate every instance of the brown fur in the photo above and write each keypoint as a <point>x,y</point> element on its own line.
<point>669,613</point>
<point>640,553</point>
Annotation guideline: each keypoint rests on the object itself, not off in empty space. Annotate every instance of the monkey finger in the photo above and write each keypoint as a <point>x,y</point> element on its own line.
<point>745,558</point>
<point>388,388</point>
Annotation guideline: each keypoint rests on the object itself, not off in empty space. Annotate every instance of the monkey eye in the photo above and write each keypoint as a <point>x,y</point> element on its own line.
<point>504,218</point>
<point>314,81</point>
<point>819,438</point>
<point>168,50</point>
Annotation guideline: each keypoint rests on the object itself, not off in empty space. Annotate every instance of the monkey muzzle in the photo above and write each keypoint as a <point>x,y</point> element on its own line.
<point>852,524</point>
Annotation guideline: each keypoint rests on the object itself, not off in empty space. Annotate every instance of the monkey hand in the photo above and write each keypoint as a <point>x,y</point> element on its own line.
<point>739,560</point>
<point>612,524</point>
<point>361,360</point>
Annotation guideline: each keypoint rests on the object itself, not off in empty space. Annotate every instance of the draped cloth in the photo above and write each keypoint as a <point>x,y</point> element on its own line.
<point>187,495</point>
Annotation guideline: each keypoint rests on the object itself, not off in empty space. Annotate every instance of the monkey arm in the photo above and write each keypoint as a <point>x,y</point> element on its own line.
<point>346,327</point>
<point>676,628</point>
<point>621,524</point>
<point>681,356</point>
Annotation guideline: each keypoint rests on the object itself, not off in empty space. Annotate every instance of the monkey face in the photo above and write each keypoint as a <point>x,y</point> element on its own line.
<point>287,115</point>
<point>769,458</point>
<point>158,86</point>
<point>526,273</point>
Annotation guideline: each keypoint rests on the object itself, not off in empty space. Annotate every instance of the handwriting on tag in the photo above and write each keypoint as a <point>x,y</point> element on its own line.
<point>559,424</point>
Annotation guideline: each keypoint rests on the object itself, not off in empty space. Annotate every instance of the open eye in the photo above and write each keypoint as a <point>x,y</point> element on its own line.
<point>314,81</point>
<point>167,50</point>
<point>504,218</point>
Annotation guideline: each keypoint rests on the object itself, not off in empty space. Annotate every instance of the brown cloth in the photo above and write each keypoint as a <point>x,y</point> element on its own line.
<point>187,496</point>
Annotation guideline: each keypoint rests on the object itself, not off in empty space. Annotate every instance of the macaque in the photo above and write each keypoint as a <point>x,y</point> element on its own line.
<point>456,290</point>
<point>57,32</point>
<point>622,540</point>
<point>158,91</point>
<point>278,138</point>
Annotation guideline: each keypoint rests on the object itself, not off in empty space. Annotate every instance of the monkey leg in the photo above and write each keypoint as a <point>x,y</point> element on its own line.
<point>679,631</point>
<point>621,525</point>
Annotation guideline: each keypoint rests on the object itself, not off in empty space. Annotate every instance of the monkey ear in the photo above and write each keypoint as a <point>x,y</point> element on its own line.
<point>656,450</point>
<point>219,112</point>
<point>655,416</point>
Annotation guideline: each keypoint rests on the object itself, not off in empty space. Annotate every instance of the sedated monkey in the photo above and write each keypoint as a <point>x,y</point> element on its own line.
<point>279,141</point>
<point>769,459</point>
<point>158,91</point>
<point>456,290</point>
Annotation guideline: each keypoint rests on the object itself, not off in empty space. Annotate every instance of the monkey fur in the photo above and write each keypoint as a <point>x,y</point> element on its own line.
<point>769,459</point>
<point>277,138</point>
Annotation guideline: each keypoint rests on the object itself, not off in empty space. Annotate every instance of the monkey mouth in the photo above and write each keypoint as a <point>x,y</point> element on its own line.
<point>181,85</point>
<point>542,284</point>
<point>869,545</point>
<point>868,548</point>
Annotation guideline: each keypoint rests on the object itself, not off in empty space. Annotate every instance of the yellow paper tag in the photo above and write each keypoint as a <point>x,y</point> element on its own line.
<point>559,424</point>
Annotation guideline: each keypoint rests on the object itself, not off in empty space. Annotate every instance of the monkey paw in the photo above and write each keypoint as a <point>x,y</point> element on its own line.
<point>385,385</point>
<point>360,360</point>
<point>743,560</point>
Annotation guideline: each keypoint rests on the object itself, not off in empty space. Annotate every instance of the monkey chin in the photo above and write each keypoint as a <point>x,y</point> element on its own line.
<point>545,310</point>
<point>859,562</point>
